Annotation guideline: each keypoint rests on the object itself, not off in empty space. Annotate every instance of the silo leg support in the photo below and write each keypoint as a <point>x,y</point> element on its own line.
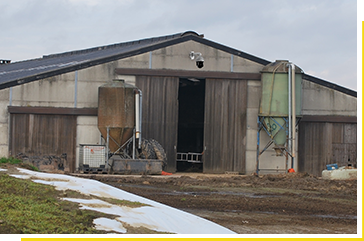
<point>266,147</point>
<point>107,147</point>
<point>134,144</point>
<point>260,127</point>
<point>258,154</point>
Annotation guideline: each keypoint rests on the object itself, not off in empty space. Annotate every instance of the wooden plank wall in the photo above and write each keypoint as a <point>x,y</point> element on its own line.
<point>44,139</point>
<point>160,113</point>
<point>225,126</point>
<point>326,143</point>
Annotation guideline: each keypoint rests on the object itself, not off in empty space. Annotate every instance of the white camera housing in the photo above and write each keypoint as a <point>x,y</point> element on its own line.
<point>199,59</point>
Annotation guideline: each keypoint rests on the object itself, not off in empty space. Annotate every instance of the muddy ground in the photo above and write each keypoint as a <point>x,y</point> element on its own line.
<point>275,204</point>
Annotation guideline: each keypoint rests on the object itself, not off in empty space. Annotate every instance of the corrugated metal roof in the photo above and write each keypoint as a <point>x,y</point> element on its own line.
<point>18,73</point>
<point>50,65</point>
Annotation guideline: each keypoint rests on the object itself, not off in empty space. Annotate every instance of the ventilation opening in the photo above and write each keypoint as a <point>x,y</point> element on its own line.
<point>191,109</point>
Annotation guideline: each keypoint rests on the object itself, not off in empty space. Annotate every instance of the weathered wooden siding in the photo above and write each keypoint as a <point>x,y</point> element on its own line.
<point>160,113</point>
<point>44,140</point>
<point>225,125</point>
<point>326,143</point>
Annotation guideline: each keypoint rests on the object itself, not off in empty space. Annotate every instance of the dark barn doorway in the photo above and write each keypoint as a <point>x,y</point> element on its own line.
<point>190,141</point>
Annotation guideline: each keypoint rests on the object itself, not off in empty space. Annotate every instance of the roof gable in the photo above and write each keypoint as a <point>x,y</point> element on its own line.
<point>51,65</point>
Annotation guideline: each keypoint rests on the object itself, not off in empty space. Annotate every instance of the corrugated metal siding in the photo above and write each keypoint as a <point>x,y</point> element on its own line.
<point>225,125</point>
<point>160,113</point>
<point>44,139</point>
<point>326,143</point>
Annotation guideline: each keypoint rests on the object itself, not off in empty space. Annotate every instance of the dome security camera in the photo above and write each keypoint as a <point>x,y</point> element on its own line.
<point>199,62</point>
<point>199,59</point>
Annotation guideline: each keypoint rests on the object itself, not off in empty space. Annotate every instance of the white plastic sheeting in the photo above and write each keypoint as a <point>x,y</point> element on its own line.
<point>340,174</point>
<point>154,216</point>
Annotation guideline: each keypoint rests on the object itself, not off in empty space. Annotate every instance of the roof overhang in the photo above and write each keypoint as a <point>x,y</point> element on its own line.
<point>77,60</point>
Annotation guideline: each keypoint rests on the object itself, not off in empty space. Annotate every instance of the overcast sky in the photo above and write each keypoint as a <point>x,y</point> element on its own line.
<point>319,36</point>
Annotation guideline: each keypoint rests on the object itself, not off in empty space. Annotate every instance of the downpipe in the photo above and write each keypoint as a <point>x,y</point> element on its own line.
<point>293,113</point>
<point>140,119</point>
<point>138,116</point>
<point>290,107</point>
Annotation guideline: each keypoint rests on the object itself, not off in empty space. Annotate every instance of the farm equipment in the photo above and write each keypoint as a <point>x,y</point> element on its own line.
<point>119,122</point>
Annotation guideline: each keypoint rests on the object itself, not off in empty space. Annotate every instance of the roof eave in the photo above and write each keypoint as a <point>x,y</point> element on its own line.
<point>103,60</point>
<point>168,42</point>
<point>329,85</point>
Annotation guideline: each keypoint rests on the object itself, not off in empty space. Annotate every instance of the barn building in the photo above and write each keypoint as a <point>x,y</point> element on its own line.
<point>48,106</point>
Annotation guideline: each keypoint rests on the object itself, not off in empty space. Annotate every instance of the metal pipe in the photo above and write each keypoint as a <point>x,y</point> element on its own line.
<point>150,59</point>
<point>289,105</point>
<point>137,122</point>
<point>289,108</point>
<point>107,146</point>
<point>140,119</point>
<point>133,155</point>
<point>76,86</point>
<point>232,63</point>
<point>293,112</point>
<point>258,145</point>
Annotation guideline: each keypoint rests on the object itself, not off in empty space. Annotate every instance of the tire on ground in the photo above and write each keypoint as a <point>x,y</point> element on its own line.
<point>159,151</point>
<point>147,150</point>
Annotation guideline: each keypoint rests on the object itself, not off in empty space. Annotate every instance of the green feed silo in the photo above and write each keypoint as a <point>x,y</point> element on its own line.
<point>275,101</point>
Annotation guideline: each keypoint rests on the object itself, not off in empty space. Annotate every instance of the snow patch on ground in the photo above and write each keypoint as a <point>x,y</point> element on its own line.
<point>20,176</point>
<point>109,225</point>
<point>154,215</point>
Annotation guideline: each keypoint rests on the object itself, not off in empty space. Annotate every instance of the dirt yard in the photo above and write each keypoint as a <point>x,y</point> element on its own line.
<point>274,204</point>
